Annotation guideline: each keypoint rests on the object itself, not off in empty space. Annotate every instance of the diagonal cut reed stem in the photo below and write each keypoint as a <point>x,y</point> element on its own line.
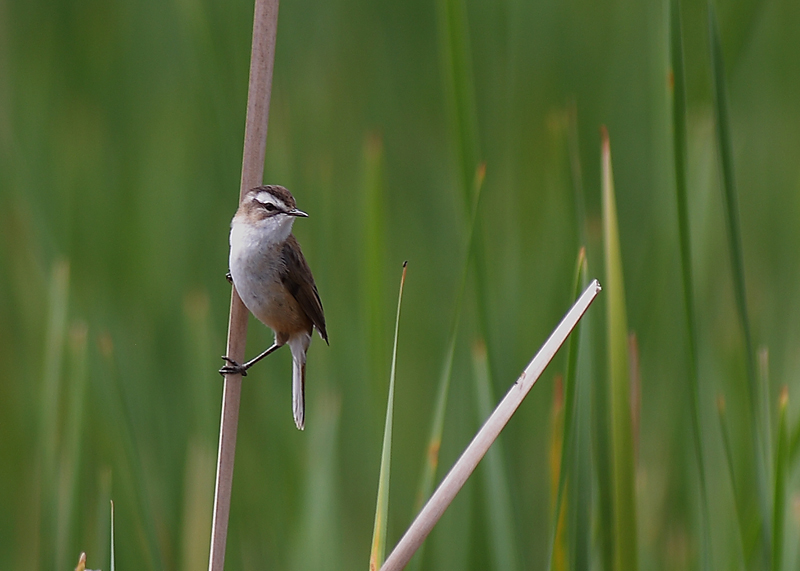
<point>488,433</point>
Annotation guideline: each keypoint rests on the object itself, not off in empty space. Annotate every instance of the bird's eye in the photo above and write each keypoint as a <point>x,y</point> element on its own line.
<point>270,207</point>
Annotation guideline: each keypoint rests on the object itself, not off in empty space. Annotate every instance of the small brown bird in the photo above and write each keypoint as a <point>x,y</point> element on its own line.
<point>274,281</point>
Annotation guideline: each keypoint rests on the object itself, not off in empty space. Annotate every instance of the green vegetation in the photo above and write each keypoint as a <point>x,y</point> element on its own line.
<point>378,552</point>
<point>464,137</point>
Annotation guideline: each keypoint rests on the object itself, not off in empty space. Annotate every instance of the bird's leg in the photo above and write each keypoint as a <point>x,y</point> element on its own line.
<point>234,368</point>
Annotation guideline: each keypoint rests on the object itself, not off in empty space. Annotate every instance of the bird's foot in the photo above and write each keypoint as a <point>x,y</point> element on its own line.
<point>233,368</point>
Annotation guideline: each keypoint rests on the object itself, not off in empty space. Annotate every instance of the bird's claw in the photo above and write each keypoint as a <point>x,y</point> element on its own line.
<point>234,368</point>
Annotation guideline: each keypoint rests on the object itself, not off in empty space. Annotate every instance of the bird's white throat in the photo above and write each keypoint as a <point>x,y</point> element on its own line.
<point>256,235</point>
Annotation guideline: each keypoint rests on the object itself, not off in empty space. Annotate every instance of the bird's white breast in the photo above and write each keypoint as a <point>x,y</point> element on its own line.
<point>256,262</point>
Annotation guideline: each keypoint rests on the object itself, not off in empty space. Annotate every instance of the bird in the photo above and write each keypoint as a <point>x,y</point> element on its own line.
<point>273,280</point>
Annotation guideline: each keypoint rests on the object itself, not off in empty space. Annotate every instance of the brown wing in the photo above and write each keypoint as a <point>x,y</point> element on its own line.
<point>298,280</point>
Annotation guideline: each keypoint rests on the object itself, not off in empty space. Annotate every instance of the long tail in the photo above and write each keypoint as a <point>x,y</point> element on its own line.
<point>299,346</point>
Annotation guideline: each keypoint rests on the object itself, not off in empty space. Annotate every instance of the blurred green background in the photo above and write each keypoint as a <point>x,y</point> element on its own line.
<point>121,127</point>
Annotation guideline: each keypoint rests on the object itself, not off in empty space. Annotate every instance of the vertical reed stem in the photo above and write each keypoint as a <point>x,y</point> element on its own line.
<point>262,57</point>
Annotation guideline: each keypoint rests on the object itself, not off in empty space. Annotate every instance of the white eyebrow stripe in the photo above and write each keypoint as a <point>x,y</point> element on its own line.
<point>265,197</point>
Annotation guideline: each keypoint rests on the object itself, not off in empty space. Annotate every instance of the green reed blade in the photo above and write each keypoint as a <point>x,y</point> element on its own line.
<point>684,234</point>
<point>794,445</point>
<point>456,63</point>
<point>51,399</point>
<point>625,544</point>
<point>579,493</point>
<point>382,505</point>
<point>726,444</point>
<point>113,557</point>
<point>497,493</point>
<point>779,500</point>
<point>737,266</point>
<point>437,426</point>
<point>133,475</point>
<point>69,461</point>
<point>570,405</point>
<point>318,543</point>
<point>201,452</point>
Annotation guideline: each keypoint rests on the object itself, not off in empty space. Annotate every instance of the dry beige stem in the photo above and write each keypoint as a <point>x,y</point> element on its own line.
<point>262,57</point>
<point>465,465</point>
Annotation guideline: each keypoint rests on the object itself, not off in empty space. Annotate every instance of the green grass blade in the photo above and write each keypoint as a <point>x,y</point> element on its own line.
<point>599,437</point>
<point>431,463</point>
<point>737,267</point>
<point>779,501</point>
<point>794,446</point>
<point>132,473</point>
<point>460,103</point>
<point>570,375</point>
<point>69,462</point>
<point>55,342</point>
<point>580,492</point>
<point>112,537</point>
<point>726,444</point>
<point>684,234</point>
<point>558,549</point>
<point>437,426</point>
<point>201,453</point>
<point>98,516</point>
<point>199,352</point>
<point>603,467</point>
<point>382,508</point>
<point>456,64</point>
<point>729,188</point>
<point>318,543</point>
<point>579,502</point>
<point>625,547</point>
<point>497,493</point>
<point>570,405</point>
<point>762,356</point>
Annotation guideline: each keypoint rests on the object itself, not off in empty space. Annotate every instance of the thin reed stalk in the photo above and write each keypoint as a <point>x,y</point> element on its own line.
<point>262,58</point>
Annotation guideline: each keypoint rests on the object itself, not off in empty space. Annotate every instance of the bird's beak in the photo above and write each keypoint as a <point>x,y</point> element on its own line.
<point>298,213</point>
